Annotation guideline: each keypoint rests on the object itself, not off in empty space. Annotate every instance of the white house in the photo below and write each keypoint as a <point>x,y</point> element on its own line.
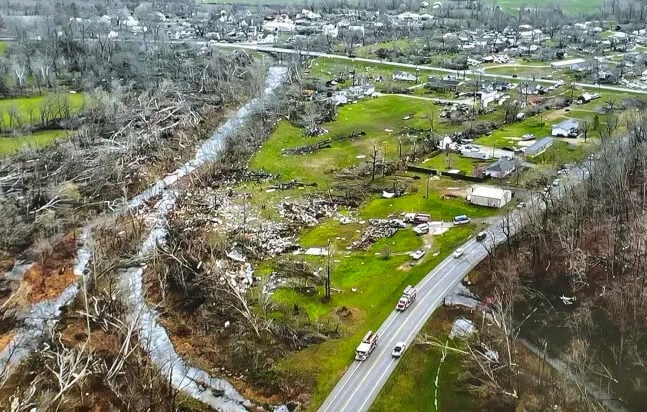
<point>567,64</point>
<point>282,24</point>
<point>567,128</point>
<point>489,196</point>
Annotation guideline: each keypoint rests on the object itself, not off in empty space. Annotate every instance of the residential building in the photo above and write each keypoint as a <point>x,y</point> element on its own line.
<point>572,64</point>
<point>539,147</point>
<point>567,128</point>
<point>501,168</point>
<point>489,196</point>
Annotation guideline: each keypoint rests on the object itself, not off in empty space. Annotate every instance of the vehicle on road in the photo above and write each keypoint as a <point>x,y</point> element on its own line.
<point>369,342</point>
<point>407,298</point>
<point>398,349</point>
<point>461,220</point>
<point>480,236</point>
<point>417,255</point>
<point>458,253</point>
<point>556,182</point>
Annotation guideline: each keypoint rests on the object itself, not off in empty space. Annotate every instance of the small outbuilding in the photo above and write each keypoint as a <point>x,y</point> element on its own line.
<point>489,196</point>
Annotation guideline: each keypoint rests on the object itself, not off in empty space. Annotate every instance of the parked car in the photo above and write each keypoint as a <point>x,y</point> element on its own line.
<point>418,254</point>
<point>458,253</point>
<point>398,349</point>
<point>480,236</point>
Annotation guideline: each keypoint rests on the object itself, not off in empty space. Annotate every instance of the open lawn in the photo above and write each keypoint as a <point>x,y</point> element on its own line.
<point>448,161</point>
<point>3,48</point>
<point>378,285</point>
<point>563,152</point>
<point>569,6</point>
<point>325,68</point>
<point>412,386</point>
<point>372,116</point>
<point>9,145</point>
<point>28,109</point>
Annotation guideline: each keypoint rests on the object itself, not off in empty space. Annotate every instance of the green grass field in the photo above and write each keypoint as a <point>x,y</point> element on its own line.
<point>570,6</point>
<point>3,48</point>
<point>372,116</point>
<point>9,145</point>
<point>28,109</point>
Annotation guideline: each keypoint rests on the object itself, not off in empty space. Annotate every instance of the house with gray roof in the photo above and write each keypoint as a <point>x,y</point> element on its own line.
<point>567,128</point>
<point>539,147</point>
<point>501,168</point>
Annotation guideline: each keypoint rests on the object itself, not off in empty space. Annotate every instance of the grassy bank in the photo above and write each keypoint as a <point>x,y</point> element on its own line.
<point>9,145</point>
<point>28,109</point>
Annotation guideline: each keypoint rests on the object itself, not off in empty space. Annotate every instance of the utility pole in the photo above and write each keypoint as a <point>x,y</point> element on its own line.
<point>329,253</point>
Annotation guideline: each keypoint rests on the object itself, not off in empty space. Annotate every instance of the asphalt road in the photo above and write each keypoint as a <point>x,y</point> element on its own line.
<point>362,382</point>
<point>269,49</point>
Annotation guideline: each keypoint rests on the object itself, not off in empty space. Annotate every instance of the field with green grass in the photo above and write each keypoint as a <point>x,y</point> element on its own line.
<point>3,48</point>
<point>28,109</point>
<point>372,116</point>
<point>412,386</point>
<point>325,68</point>
<point>9,145</point>
<point>570,6</point>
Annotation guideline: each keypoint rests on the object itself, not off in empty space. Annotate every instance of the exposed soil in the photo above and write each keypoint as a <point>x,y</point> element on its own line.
<point>47,284</point>
<point>5,339</point>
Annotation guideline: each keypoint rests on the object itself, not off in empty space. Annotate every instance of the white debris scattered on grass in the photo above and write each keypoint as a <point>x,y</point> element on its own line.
<point>462,328</point>
<point>316,251</point>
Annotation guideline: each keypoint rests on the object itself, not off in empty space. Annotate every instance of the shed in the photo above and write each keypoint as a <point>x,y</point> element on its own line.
<point>538,147</point>
<point>489,196</point>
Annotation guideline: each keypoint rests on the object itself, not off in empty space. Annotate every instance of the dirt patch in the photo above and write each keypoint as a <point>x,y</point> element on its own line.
<point>48,284</point>
<point>405,267</point>
<point>6,264</point>
<point>6,338</point>
<point>555,115</point>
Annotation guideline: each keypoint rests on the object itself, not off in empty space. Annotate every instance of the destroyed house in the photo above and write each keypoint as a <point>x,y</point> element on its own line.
<point>443,85</point>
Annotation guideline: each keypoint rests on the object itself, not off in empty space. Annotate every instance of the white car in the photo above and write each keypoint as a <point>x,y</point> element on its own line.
<point>398,349</point>
<point>458,253</point>
<point>418,254</point>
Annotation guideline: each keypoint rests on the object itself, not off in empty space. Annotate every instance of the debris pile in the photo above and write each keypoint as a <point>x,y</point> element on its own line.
<point>238,274</point>
<point>311,148</point>
<point>268,240</point>
<point>291,184</point>
<point>377,229</point>
<point>307,214</point>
